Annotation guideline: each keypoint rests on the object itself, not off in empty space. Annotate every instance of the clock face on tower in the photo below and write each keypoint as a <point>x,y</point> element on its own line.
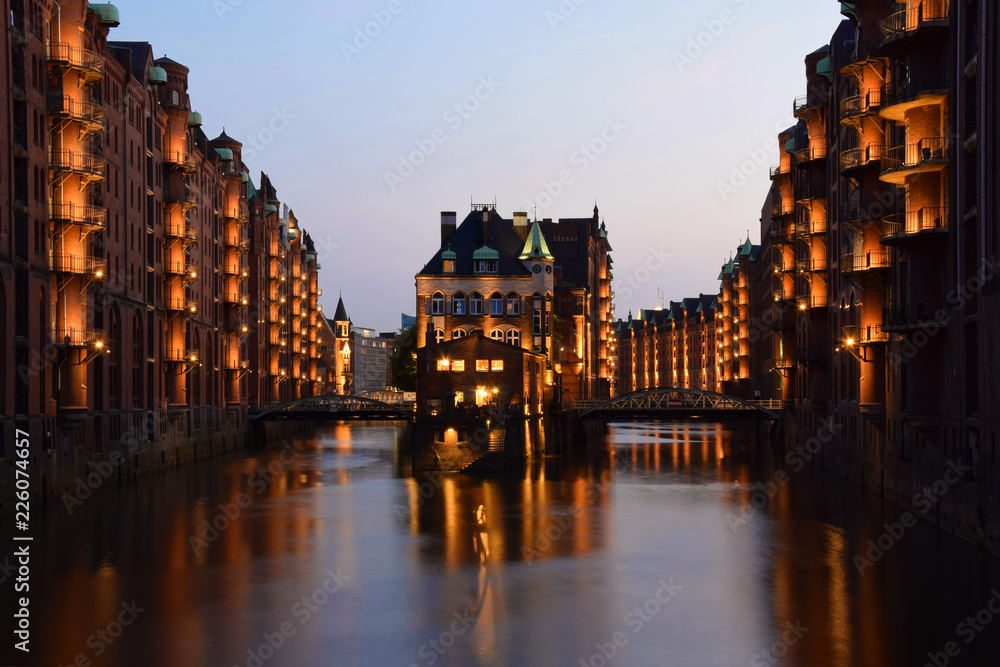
<point>536,268</point>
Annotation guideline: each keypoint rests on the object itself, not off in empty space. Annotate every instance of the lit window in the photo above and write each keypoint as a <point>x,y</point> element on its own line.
<point>496,334</point>
<point>513,304</point>
<point>475,304</point>
<point>458,303</point>
<point>513,337</point>
<point>482,365</point>
<point>496,365</point>
<point>458,365</point>
<point>459,333</point>
<point>437,304</point>
<point>448,265</point>
<point>496,304</point>
<point>443,364</point>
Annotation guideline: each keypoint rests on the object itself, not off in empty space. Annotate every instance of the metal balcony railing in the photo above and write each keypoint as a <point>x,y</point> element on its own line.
<point>77,162</point>
<point>85,60</point>
<point>809,154</point>
<point>866,335</point>
<point>861,105</point>
<point>68,107</point>
<point>76,337</point>
<point>179,355</point>
<point>181,230</point>
<point>915,17</point>
<point>906,89</point>
<point>79,265</point>
<point>182,159</point>
<point>180,268</point>
<point>853,158</point>
<point>913,222</point>
<point>179,304</point>
<point>910,156</point>
<point>78,214</point>
<point>866,261</point>
<point>908,316</point>
<point>810,265</point>
<point>180,196</point>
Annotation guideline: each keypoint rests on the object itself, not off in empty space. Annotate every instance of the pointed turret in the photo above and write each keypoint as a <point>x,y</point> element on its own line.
<point>535,246</point>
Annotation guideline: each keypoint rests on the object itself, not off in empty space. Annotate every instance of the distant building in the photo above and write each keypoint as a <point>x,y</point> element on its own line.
<point>407,321</point>
<point>372,359</point>
<point>543,291</point>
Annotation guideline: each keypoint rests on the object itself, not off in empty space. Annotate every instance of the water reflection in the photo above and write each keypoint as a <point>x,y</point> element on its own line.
<point>540,570</point>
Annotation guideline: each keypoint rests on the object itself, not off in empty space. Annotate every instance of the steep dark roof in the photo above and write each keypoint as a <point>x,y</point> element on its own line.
<point>468,238</point>
<point>225,138</point>
<point>341,314</point>
<point>167,61</point>
<point>138,52</point>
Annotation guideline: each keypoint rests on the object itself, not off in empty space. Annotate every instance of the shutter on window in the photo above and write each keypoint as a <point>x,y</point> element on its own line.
<point>447,306</point>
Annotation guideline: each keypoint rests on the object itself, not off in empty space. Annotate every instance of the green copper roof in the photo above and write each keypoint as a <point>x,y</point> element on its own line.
<point>225,154</point>
<point>270,208</point>
<point>449,253</point>
<point>194,118</point>
<point>293,233</point>
<point>486,252</point>
<point>281,221</point>
<point>310,256</point>
<point>246,179</point>
<point>746,248</point>
<point>535,246</point>
<point>790,145</point>
<point>157,75</point>
<point>108,13</point>
<point>825,68</point>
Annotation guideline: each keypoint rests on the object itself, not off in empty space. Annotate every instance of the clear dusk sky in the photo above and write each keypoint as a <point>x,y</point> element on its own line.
<point>645,106</point>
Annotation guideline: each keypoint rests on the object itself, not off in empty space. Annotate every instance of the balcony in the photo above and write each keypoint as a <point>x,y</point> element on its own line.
<point>929,154</point>
<point>809,154</point>
<point>921,88</point>
<point>240,214</point>
<point>181,230</point>
<point>89,64</point>
<point>782,294</point>
<point>856,107</point>
<point>181,159</point>
<point>180,305</point>
<point>90,115</point>
<point>93,217</point>
<point>241,241</point>
<point>779,170</point>
<point>180,268</point>
<point>868,261</point>
<point>235,270</point>
<point>782,209</point>
<point>77,337</point>
<point>908,316</point>
<point>801,107</point>
<point>86,165</point>
<point>782,235</point>
<point>870,334</point>
<point>810,227</point>
<point>237,364</point>
<point>79,265</point>
<point>811,301</point>
<point>858,158</point>
<point>901,226</point>
<point>236,298</point>
<point>180,355</point>
<point>927,18</point>
<point>811,265</point>
<point>182,196</point>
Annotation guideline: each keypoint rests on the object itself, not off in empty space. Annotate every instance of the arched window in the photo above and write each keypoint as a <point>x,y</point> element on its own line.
<point>175,98</point>
<point>437,303</point>
<point>475,304</point>
<point>497,334</point>
<point>513,337</point>
<point>459,333</point>
<point>458,303</point>
<point>513,304</point>
<point>496,304</point>
<point>439,336</point>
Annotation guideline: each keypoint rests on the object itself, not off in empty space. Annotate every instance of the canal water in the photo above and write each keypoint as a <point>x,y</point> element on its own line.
<point>665,544</point>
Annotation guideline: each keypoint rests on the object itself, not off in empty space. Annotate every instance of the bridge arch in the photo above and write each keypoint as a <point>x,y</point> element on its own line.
<point>668,401</point>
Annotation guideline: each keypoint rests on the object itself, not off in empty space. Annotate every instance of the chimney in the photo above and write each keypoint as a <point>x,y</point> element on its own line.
<point>448,223</point>
<point>520,220</point>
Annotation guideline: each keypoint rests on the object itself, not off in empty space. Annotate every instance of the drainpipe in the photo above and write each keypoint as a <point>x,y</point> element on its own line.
<point>58,22</point>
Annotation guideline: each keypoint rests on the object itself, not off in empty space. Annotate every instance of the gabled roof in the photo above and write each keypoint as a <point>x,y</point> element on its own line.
<point>167,61</point>
<point>468,241</point>
<point>535,246</point>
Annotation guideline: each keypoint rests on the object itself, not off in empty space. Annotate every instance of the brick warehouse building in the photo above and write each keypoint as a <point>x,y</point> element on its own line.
<point>150,293</point>
<point>544,287</point>
<point>874,290</point>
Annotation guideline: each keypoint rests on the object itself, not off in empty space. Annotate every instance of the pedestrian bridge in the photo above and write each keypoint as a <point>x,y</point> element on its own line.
<point>333,407</point>
<point>676,403</point>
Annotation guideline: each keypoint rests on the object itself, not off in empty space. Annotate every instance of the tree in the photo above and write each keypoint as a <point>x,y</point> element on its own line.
<point>404,366</point>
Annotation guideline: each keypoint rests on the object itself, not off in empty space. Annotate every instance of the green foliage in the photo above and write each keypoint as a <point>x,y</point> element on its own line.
<point>404,366</point>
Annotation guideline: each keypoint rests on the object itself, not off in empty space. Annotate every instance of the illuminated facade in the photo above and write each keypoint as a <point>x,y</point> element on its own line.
<point>542,286</point>
<point>149,294</point>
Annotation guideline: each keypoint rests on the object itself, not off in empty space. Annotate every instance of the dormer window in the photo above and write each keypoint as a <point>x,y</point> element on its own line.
<point>486,260</point>
<point>448,265</point>
<point>486,266</point>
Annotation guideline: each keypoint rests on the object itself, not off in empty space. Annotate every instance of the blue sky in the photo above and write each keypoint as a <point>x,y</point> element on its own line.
<point>398,109</point>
